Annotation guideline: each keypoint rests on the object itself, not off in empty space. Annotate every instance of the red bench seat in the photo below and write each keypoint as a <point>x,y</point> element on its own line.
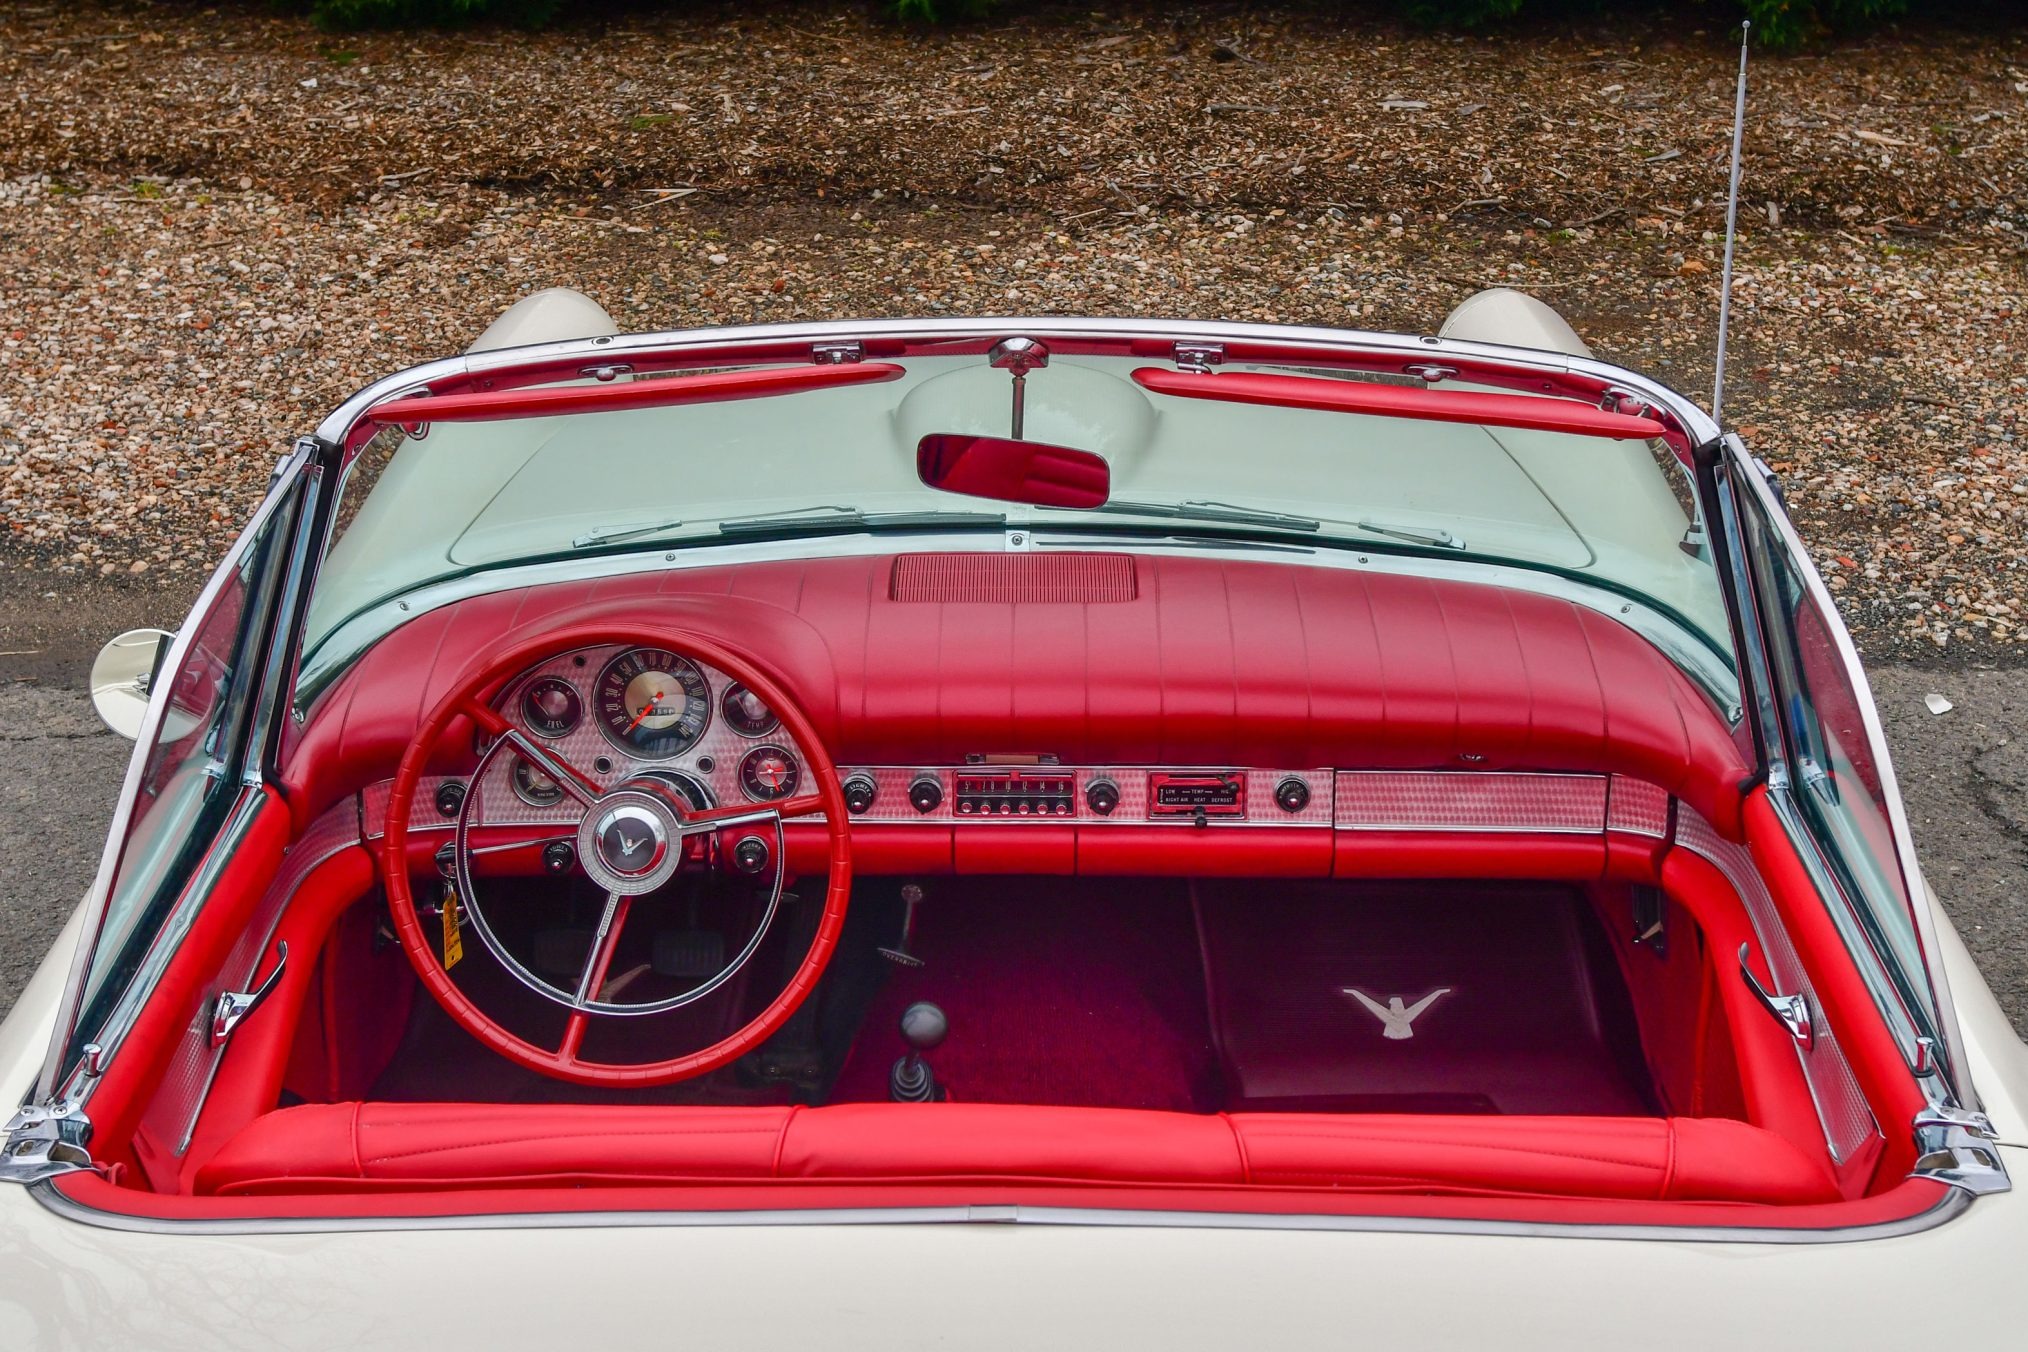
<point>352,1147</point>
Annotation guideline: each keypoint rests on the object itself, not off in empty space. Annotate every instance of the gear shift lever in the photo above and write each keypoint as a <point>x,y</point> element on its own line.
<point>924,1027</point>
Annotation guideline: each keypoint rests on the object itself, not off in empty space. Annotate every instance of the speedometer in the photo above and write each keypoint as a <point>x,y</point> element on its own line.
<point>651,704</point>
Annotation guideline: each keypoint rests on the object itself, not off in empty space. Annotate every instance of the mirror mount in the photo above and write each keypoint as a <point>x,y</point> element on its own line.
<point>123,675</point>
<point>1018,356</point>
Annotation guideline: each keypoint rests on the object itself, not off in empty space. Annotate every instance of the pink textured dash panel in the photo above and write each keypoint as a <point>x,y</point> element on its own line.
<point>1015,579</point>
<point>1638,807</point>
<point>1454,800</point>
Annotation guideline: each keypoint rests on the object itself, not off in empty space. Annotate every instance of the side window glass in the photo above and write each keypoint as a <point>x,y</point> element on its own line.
<point>191,773</point>
<point>1838,788</point>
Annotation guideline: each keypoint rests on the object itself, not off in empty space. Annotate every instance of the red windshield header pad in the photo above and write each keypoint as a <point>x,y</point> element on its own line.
<point>555,400</point>
<point>1400,401</point>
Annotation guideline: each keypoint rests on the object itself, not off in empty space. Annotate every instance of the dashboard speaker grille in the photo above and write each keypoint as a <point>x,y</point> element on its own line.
<point>1011,579</point>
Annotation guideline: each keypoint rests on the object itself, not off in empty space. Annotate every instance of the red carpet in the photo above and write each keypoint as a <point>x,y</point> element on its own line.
<point>1078,992</point>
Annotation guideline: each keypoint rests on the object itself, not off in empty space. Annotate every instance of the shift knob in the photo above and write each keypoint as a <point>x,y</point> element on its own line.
<point>924,1026</point>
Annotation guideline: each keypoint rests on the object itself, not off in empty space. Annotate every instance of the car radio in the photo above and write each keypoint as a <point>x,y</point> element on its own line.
<point>1015,793</point>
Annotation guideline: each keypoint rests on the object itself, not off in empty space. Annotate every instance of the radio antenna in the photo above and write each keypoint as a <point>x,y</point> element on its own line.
<point>1731,232</point>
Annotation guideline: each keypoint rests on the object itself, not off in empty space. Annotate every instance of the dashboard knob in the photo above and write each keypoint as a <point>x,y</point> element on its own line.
<point>860,791</point>
<point>926,795</point>
<point>750,855</point>
<point>1292,794</point>
<point>450,797</point>
<point>1102,796</point>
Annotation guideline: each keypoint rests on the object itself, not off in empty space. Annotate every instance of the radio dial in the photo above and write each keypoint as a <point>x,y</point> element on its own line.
<point>1102,796</point>
<point>926,794</point>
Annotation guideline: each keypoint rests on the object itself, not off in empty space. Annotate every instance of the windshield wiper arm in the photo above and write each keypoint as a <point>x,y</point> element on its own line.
<point>605,534</point>
<point>851,518</point>
<point>1198,510</point>
<point>1422,535</point>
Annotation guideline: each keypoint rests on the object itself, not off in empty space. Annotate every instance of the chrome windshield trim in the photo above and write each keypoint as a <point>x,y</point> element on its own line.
<point>1952,1204</point>
<point>340,425</point>
<point>96,898</point>
<point>1955,1072</point>
<point>350,640</point>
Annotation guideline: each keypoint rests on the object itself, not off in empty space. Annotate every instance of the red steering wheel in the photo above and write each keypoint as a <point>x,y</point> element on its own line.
<point>666,817</point>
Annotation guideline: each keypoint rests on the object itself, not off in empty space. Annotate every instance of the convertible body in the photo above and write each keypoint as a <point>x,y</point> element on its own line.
<point>1008,832</point>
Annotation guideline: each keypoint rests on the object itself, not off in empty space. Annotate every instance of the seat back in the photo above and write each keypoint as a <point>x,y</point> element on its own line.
<point>365,1146</point>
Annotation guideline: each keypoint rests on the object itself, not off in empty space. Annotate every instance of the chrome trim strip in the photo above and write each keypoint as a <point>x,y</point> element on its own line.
<point>338,427</point>
<point>1953,1204</point>
<point>1871,968</point>
<point>170,937</point>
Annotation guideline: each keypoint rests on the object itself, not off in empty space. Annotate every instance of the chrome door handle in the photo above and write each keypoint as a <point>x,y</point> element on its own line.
<point>232,1007</point>
<point>1790,1011</point>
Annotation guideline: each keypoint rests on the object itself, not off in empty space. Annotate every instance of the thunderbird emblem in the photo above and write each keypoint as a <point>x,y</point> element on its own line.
<point>630,846</point>
<point>1395,1018</point>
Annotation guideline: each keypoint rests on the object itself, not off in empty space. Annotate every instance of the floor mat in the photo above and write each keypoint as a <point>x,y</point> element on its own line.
<point>1418,998</point>
<point>1085,993</point>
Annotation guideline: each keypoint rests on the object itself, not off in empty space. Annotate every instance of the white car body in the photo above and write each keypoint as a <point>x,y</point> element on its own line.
<point>1009,1276</point>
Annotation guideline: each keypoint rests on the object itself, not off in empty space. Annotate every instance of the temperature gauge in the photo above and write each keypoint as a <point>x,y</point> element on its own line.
<point>744,711</point>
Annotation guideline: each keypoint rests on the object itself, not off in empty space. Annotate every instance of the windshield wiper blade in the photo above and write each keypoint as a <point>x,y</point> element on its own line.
<point>851,518</point>
<point>1422,535</point>
<point>605,534</point>
<point>1200,510</point>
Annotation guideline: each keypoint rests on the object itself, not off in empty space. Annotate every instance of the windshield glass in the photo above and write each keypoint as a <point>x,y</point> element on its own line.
<point>477,495</point>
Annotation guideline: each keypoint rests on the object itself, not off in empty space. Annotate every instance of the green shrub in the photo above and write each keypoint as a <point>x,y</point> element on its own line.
<point>1776,23</point>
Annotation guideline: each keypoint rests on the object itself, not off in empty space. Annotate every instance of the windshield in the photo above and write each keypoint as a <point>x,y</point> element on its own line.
<point>477,495</point>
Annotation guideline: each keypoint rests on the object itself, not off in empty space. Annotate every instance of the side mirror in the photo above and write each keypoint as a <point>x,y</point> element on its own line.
<point>1013,471</point>
<point>122,675</point>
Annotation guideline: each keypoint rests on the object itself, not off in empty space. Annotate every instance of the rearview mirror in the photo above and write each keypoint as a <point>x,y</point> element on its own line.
<point>122,675</point>
<point>1013,471</point>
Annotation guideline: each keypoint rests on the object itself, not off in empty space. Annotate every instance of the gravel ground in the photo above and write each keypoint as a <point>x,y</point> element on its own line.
<point>215,224</point>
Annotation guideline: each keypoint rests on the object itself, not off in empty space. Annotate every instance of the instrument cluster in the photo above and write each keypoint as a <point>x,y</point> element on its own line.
<point>615,713</point>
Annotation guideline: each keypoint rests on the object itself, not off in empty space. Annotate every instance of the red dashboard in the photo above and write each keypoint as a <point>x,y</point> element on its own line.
<point>1054,699</point>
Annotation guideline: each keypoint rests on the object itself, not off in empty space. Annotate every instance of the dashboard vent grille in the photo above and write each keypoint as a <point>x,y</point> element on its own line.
<point>1015,579</point>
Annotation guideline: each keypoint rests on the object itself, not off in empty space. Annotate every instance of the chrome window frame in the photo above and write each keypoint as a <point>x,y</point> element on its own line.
<point>1746,477</point>
<point>59,1068</point>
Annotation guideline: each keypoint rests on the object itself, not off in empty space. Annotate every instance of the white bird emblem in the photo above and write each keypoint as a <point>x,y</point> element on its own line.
<point>1395,1019</point>
<point>629,846</point>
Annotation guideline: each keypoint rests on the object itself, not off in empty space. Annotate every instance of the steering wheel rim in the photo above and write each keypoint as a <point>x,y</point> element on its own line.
<point>468,699</point>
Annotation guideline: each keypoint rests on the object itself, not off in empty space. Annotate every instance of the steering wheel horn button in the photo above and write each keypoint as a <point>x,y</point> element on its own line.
<point>632,840</point>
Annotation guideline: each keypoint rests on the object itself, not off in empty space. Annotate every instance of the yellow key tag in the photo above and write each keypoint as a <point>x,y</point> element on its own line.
<point>454,946</point>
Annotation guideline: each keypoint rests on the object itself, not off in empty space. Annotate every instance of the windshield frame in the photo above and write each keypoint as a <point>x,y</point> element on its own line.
<point>1398,357</point>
